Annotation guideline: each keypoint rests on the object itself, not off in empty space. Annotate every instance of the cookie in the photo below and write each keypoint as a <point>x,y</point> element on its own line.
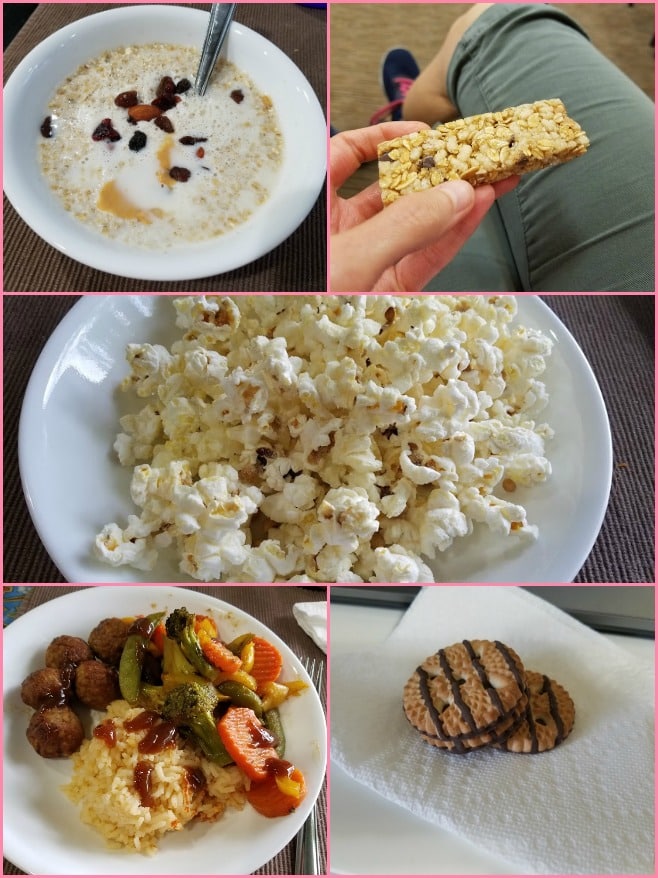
<point>549,717</point>
<point>466,695</point>
<point>466,743</point>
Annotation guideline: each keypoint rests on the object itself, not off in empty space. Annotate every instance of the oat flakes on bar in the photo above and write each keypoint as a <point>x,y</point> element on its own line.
<point>480,149</point>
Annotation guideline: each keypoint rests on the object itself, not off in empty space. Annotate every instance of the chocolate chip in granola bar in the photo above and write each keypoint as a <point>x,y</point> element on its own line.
<point>137,141</point>
<point>183,85</point>
<point>164,123</point>
<point>126,99</point>
<point>105,131</point>
<point>427,162</point>
<point>182,175</point>
<point>46,128</point>
<point>237,95</point>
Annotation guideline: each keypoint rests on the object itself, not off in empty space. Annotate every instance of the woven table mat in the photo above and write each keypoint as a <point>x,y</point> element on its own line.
<point>271,605</point>
<point>615,332</point>
<point>299,264</point>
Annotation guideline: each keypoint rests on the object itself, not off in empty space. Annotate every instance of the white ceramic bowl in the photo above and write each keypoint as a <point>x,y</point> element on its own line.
<point>301,119</point>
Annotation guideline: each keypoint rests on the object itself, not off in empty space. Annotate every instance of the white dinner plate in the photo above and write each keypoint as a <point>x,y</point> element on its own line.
<point>74,485</point>
<point>42,831</point>
<point>301,121</point>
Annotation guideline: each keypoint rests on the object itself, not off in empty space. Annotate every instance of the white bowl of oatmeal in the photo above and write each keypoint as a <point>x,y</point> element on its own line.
<point>204,187</point>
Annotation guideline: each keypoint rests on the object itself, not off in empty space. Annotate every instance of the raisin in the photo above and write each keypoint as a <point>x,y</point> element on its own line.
<point>237,95</point>
<point>164,123</point>
<point>182,86</point>
<point>137,141</point>
<point>47,127</point>
<point>180,174</point>
<point>164,103</point>
<point>190,141</point>
<point>166,86</point>
<point>106,131</point>
<point>126,99</point>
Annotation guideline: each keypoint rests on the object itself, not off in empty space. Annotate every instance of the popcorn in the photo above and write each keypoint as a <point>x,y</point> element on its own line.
<point>330,438</point>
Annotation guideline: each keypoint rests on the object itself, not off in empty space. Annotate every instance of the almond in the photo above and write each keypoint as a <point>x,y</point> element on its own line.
<point>143,112</point>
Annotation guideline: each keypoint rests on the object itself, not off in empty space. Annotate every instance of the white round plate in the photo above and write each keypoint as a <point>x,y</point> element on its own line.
<point>301,120</point>
<point>43,834</point>
<point>74,485</point>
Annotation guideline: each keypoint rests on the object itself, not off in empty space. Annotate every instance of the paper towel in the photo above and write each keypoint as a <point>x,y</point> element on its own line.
<point>586,807</point>
<point>311,616</point>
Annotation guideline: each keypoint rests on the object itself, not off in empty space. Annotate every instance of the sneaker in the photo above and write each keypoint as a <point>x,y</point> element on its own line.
<point>399,69</point>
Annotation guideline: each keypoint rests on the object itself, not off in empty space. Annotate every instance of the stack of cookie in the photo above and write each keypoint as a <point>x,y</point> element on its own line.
<point>477,693</point>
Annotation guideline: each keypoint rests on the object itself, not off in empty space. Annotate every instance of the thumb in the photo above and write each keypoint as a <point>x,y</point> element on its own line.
<point>409,224</point>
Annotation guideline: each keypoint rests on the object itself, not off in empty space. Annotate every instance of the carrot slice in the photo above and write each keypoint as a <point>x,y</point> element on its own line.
<point>158,638</point>
<point>218,654</point>
<point>248,742</point>
<point>267,662</point>
<point>277,795</point>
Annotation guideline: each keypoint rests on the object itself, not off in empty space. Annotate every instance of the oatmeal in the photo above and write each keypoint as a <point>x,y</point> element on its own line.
<point>133,152</point>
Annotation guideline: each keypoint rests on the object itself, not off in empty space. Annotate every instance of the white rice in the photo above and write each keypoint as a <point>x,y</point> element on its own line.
<point>103,786</point>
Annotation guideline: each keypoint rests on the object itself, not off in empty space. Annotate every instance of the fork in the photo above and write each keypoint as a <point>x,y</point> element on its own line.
<point>307,848</point>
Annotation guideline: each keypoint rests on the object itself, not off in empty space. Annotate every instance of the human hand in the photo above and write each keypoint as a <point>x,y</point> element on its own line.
<point>401,248</point>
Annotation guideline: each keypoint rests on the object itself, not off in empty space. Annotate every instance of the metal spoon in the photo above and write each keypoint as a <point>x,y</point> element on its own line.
<point>220,20</point>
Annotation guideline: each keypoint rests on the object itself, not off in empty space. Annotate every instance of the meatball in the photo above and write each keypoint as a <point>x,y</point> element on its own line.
<point>108,639</point>
<point>66,650</point>
<point>50,686</point>
<point>96,684</point>
<point>55,732</point>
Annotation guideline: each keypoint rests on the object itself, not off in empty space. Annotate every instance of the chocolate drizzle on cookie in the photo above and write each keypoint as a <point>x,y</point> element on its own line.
<point>547,689</point>
<point>486,683</point>
<point>456,692</point>
<point>435,716</point>
<point>504,651</point>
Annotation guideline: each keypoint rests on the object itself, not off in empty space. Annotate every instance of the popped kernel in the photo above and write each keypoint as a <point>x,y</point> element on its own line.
<point>330,439</point>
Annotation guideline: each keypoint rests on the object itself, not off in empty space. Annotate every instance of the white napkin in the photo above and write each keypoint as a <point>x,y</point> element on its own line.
<point>311,616</point>
<point>586,807</point>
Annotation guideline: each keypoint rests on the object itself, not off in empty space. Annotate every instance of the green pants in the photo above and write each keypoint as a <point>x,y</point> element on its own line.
<point>587,225</point>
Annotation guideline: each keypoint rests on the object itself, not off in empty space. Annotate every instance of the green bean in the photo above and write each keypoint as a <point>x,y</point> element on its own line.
<point>236,645</point>
<point>272,719</point>
<point>241,695</point>
<point>130,668</point>
<point>132,657</point>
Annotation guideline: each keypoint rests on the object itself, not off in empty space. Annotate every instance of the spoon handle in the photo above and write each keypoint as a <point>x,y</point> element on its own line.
<point>220,20</point>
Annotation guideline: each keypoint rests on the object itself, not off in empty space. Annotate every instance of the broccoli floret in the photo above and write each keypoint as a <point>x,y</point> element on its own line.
<point>180,628</point>
<point>191,706</point>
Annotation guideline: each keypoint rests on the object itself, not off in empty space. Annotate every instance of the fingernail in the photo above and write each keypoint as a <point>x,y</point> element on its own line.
<point>460,193</point>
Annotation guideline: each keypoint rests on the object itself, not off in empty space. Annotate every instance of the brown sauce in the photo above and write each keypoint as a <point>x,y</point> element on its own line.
<point>159,737</point>
<point>106,732</point>
<point>196,779</point>
<point>142,782</point>
<point>143,720</point>
<point>279,767</point>
<point>260,736</point>
<point>140,626</point>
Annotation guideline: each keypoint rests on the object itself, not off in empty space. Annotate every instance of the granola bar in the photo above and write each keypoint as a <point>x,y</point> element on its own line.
<point>480,149</point>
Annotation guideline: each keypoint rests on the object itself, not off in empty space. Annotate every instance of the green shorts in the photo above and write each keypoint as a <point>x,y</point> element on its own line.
<point>587,225</point>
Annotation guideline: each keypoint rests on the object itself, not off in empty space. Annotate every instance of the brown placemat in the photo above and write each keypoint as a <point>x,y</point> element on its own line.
<point>299,264</point>
<point>615,332</point>
<point>273,606</point>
